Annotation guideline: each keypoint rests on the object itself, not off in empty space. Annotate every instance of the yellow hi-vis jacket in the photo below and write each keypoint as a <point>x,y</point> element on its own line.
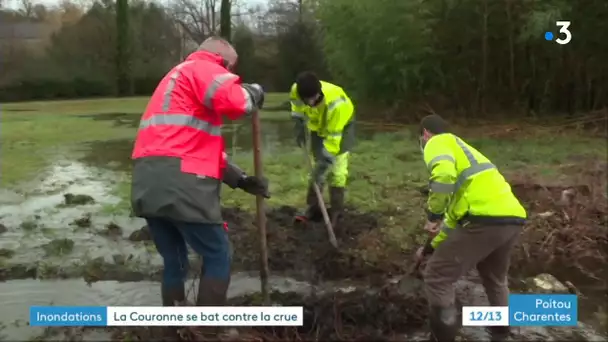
<point>466,187</point>
<point>332,119</point>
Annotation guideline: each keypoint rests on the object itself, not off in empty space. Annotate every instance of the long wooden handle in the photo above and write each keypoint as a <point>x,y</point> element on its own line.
<point>260,210</point>
<point>328,225</point>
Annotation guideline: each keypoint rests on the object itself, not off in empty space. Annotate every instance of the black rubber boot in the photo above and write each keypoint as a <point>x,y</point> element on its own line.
<point>173,296</point>
<point>499,334</point>
<point>444,323</point>
<point>336,198</point>
<point>211,292</point>
<point>312,212</point>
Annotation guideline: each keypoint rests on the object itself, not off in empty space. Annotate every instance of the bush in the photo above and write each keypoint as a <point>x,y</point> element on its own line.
<point>46,88</point>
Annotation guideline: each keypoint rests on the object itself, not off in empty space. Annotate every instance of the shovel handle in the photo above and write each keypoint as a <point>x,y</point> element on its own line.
<point>328,224</point>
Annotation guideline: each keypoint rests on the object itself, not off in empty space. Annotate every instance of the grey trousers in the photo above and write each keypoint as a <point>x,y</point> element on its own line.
<point>486,247</point>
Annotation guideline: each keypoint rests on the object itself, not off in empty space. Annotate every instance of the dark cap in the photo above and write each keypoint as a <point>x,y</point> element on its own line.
<point>435,124</point>
<point>308,85</point>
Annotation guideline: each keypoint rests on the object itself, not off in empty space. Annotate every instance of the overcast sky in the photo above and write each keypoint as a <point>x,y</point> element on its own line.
<point>15,4</point>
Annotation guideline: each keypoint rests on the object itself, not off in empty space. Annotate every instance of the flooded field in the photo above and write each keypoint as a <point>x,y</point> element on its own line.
<point>66,238</point>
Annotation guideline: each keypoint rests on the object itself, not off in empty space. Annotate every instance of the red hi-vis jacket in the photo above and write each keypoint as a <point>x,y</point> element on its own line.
<point>184,116</point>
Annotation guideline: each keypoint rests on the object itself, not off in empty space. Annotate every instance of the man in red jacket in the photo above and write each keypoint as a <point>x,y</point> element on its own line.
<point>180,163</point>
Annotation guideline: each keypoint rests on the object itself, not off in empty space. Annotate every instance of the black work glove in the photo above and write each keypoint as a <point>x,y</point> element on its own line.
<point>326,157</point>
<point>256,92</point>
<point>300,131</point>
<point>428,248</point>
<point>254,185</point>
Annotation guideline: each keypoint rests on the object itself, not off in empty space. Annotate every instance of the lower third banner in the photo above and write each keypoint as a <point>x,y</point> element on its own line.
<point>162,316</point>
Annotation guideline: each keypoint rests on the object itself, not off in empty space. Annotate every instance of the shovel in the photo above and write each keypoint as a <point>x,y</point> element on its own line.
<point>328,224</point>
<point>260,210</point>
<point>412,280</point>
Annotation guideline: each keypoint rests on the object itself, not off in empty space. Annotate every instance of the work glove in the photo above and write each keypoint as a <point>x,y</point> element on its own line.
<point>300,131</point>
<point>326,157</point>
<point>324,162</point>
<point>254,185</point>
<point>256,92</point>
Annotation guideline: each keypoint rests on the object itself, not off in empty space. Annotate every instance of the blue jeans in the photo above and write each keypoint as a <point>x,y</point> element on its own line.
<point>208,240</point>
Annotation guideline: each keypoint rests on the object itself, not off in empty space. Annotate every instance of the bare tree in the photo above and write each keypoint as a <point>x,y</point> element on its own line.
<point>26,8</point>
<point>201,18</point>
<point>198,18</point>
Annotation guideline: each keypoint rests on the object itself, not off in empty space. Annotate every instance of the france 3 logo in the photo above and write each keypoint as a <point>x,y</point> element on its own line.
<point>563,31</point>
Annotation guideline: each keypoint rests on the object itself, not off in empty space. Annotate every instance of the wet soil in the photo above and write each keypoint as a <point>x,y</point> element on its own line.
<point>363,313</point>
<point>299,250</point>
<point>296,248</point>
<point>567,235</point>
<point>358,315</point>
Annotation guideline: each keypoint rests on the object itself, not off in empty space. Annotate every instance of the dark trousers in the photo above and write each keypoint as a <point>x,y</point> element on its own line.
<point>488,248</point>
<point>208,240</point>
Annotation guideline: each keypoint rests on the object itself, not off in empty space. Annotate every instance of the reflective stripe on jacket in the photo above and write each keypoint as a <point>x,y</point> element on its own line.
<point>179,158</point>
<point>466,186</point>
<point>184,116</point>
<point>332,120</point>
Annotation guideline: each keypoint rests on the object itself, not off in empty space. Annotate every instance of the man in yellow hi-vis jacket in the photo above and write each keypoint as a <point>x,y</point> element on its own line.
<point>476,219</point>
<point>327,113</point>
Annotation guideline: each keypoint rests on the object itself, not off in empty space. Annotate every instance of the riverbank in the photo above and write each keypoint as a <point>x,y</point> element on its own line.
<point>65,212</point>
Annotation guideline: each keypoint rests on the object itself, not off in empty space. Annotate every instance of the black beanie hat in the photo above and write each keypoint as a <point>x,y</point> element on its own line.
<point>308,85</point>
<point>434,124</point>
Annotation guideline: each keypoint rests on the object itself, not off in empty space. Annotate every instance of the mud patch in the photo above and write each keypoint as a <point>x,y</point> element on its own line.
<point>71,200</point>
<point>83,222</point>
<point>112,230</point>
<point>142,234</point>
<point>359,315</point>
<point>296,249</point>
<point>567,226</point>
<point>567,234</point>
<point>59,247</point>
<point>364,313</point>
<point>6,253</point>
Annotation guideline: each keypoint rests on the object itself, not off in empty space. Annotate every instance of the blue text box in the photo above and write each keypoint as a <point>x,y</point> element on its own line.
<point>543,310</point>
<point>66,316</point>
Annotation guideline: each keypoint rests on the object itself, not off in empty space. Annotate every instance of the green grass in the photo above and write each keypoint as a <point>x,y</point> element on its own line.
<point>34,132</point>
<point>385,172</point>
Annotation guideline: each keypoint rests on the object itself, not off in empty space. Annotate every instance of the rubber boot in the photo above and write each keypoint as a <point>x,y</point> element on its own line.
<point>312,206</point>
<point>336,198</point>
<point>499,334</point>
<point>172,297</point>
<point>444,323</point>
<point>211,292</point>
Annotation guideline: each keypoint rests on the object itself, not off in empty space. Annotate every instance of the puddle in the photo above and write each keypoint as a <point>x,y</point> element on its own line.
<point>276,134</point>
<point>17,296</point>
<point>40,219</point>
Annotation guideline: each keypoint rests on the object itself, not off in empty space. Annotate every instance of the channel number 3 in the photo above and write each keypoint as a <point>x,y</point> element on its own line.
<point>563,28</point>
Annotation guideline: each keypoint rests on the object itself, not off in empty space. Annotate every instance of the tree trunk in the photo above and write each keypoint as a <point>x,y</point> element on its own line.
<point>511,29</point>
<point>225,23</point>
<point>484,59</point>
<point>123,56</point>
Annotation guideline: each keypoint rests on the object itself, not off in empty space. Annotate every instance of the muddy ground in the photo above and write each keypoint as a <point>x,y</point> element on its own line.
<point>566,236</point>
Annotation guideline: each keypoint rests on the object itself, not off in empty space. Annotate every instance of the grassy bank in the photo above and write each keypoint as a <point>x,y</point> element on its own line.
<point>34,133</point>
<point>387,171</point>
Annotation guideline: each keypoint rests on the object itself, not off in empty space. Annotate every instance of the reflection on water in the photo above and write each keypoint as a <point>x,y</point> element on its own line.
<point>17,296</point>
<point>276,134</point>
